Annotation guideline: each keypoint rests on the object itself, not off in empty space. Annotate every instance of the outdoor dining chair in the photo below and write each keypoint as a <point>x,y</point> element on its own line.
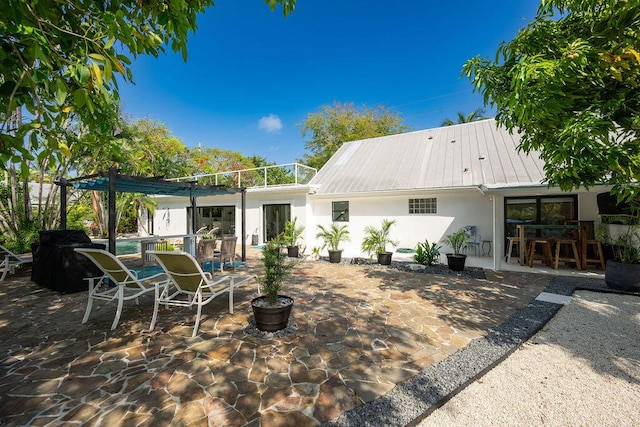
<point>118,283</point>
<point>188,285</point>
<point>9,261</point>
<point>226,253</point>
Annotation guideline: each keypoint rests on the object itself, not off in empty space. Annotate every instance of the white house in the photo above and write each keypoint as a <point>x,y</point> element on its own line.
<point>432,182</point>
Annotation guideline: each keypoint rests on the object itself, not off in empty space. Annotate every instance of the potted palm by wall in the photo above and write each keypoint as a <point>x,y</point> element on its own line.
<point>272,310</point>
<point>456,241</point>
<point>332,237</point>
<point>291,235</point>
<point>623,237</point>
<point>377,239</point>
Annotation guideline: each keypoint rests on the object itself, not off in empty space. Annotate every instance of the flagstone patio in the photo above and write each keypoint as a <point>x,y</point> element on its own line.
<point>360,332</point>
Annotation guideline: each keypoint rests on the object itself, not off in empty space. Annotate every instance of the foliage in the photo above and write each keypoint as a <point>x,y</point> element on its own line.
<point>568,83</point>
<point>332,236</point>
<point>339,123</point>
<point>457,240</point>
<point>476,115</point>
<point>276,270</point>
<point>427,253</point>
<point>626,243</point>
<point>377,239</point>
<point>292,233</point>
<point>61,61</point>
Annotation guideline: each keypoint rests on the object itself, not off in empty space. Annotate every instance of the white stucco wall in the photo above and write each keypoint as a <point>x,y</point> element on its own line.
<point>455,209</point>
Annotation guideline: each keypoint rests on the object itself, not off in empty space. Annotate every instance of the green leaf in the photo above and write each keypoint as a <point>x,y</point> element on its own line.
<point>61,92</point>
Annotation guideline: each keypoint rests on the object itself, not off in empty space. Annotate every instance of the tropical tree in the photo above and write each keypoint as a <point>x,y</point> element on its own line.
<point>339,123</point>
<point>476,115</point>
<point>61,58</point>
<point>568,82</point>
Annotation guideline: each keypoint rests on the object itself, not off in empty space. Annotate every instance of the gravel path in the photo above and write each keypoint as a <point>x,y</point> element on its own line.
<point>583,368</point>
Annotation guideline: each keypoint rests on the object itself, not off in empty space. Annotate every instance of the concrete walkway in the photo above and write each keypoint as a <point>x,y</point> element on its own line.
<point>360,332</point>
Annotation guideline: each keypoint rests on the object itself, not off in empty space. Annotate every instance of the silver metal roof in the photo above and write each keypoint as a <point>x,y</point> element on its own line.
<point>466,155</point>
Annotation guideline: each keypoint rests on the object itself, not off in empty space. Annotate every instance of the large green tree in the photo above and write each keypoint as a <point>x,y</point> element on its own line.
<point>569,82</point>
<point>61,58</point>
<point>339,123</point>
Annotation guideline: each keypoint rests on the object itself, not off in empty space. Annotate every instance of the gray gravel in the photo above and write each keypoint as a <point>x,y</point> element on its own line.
<point>413,400</point>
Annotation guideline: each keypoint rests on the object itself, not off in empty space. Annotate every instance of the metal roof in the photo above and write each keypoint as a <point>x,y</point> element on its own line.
<point>467,155</point>
<point>152,186</point>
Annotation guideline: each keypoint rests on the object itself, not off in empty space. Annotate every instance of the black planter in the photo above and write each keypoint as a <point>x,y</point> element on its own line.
<point>292,251</point>
<point>271,319</point>
<point>385,258</point>
<point>335,256</point>
<point>456,262</point>
<point>623,277</point>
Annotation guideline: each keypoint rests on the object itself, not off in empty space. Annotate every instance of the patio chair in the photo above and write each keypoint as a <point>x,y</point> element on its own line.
<point>474,239</point>
<point>226,253</point>
<point>118,283</point>
<point>9,261</point>
<point>188,285</point>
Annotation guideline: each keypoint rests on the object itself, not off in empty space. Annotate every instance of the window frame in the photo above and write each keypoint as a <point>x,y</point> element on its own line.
<point>423,206</point>
<point>336,214</point>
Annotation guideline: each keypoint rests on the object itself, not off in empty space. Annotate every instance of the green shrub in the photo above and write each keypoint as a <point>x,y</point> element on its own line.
<point>427,253</point>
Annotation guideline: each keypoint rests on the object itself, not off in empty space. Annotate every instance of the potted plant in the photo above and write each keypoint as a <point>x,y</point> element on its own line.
<point>457,240</point>
<point>272,310</point>
<point>622,235</point>
<point>332,237</point>
<point>376,241</point>
<point>290,236</point>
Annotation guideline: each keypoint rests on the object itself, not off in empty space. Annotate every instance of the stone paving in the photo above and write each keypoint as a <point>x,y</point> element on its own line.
<point>360,332</point>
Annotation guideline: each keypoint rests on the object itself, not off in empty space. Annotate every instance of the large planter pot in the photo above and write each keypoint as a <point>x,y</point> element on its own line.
<point>623,277</point>
<point>385,258</point>
<point>335,256</point>
<point>293,251</point>
<point>456,262</point>
<point>271,319</point>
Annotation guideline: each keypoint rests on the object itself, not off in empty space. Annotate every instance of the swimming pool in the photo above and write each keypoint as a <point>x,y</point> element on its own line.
<point>127,248</point>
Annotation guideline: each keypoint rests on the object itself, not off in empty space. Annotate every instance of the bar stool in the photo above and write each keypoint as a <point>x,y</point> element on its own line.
<point>513,240</point>
<point>572,243</point>
<point>545,250</point>
<point>597,252</point>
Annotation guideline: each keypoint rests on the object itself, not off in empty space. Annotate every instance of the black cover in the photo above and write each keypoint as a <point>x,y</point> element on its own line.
<point>56,265</point>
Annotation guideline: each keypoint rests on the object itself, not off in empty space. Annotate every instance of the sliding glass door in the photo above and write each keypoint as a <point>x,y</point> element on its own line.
<point>275,216</point>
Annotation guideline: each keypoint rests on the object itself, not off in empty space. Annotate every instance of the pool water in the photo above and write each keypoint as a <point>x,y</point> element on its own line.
<point>127,248</point>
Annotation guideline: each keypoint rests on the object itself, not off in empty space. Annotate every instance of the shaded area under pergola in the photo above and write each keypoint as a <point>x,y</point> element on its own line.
<point>113,182</point>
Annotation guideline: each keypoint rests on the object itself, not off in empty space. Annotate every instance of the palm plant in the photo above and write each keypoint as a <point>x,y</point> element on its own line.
<point>457,240</point>
<point>292,233</point>
<point>332,236</point>
<point>476,115</point>
<point>377,239</point>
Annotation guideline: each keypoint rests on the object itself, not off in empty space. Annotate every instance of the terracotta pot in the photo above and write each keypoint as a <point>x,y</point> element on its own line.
<point>271,319</point>
<point>623,277</point>
<point>456,262</point>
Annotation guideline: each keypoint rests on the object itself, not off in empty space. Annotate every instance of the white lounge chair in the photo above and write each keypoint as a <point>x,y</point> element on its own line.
<point>9,261</point>
<point>189,285</point>
<point>118,283</point>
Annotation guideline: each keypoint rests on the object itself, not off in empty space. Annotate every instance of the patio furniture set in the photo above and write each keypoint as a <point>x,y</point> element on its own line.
<point>572,243</point>
<point>182,282</point>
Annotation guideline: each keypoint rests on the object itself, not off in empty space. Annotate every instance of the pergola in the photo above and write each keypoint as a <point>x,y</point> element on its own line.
<point>113,182</point>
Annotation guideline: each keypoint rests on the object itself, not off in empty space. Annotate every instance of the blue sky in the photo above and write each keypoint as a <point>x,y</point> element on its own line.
<point>252,76</point>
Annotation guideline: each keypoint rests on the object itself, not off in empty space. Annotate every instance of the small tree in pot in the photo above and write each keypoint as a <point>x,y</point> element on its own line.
<point>623,270</point>
<point>376,241</point>
<point>332,237</point>
<point>272,310</point>
<point>291,235</point>
<point>457,241</point>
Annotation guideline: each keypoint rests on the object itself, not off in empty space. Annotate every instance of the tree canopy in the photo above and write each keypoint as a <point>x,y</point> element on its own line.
<point>477,114</point>
<point>61,61</point>
<point>339,123</point>
<point>569,83</point>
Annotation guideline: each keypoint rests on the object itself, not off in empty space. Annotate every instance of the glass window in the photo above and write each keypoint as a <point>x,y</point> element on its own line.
<point>340,211</point>
<point>423,206</point>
